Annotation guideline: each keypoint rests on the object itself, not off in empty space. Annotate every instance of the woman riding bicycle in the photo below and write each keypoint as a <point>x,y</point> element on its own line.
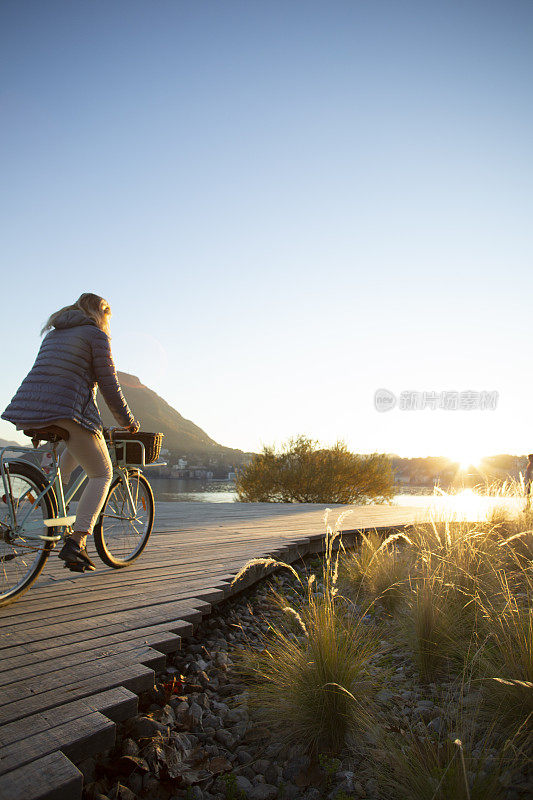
<point>60,390</point>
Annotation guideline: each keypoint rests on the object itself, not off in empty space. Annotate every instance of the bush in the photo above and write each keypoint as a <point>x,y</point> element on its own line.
<point>378,570</point>
<point>314,689</point>
<point>302,472</point>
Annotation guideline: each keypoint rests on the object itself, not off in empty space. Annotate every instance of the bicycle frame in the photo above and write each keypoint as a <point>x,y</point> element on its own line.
<point>55,482</point>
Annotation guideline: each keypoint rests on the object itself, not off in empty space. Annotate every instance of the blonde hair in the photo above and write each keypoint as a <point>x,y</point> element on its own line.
<point>93,306</point>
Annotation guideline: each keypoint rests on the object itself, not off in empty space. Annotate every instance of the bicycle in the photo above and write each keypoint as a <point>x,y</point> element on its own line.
<point>34,507</point>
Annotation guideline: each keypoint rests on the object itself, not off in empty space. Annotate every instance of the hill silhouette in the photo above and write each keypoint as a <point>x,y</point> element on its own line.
<point>155,414</point>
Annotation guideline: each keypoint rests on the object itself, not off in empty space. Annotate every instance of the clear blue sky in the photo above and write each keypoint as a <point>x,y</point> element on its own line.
<point>287,204</point>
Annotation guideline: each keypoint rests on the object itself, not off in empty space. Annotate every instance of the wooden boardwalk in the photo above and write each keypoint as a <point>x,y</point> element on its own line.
<point>77,649</point>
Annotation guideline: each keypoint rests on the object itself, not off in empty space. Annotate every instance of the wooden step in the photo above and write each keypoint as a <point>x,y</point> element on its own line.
<point>116,704</point>
<point>77,739</point>
<point>53,777</point>
<point>135,677</point>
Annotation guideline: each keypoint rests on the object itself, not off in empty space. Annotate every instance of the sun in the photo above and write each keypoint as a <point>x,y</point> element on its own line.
<point>467,460</point>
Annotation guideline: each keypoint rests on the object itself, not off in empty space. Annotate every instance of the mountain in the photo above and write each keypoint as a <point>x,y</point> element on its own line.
<point>155,414</point>
<point>8,442</point>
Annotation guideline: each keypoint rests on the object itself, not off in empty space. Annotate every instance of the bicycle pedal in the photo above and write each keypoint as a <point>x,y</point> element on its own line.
<point>75,567</point>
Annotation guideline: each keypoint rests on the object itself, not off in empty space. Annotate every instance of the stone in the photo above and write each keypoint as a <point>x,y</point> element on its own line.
<point>219,764</point>
<point>236,715</point>
<point>261,765</point>
<point>130,747</point>
<point>211,721</point>
<point>195,793</point>
<point>195,714</point>
<point>243,784</point>
<point>220,708</point>
<point>294,767</point>
<point>165,715</point>
<point>371,737</point>
<point>426,712</point>
<point>239,730</point>
<point>272,774</point>
<point>135,782</point>
<point>183,742</point>
<point>248,772</point>
<point>290,792</point>
<point>221,660</point>
<point>147,728</point>
<point>150,783</point>
<point>123,793</point>
<point>126,765</point>
<point>202,678</point>
<point>244,756</point>
<point>436,725</point>
<point>263,791</point>
<point>225,738</point>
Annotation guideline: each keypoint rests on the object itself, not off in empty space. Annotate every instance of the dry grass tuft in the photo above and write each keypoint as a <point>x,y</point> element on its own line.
<point>378,570</point>
<point>314,689</point>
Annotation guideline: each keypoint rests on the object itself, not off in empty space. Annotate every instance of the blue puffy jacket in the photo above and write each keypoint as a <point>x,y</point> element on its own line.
<point>73,359</point>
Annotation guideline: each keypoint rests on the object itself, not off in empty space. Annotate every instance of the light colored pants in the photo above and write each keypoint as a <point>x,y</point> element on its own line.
<point>89,450</point>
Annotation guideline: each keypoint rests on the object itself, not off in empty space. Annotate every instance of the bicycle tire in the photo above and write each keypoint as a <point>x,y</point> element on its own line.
<point>103,546</point>
<point>35,476</point>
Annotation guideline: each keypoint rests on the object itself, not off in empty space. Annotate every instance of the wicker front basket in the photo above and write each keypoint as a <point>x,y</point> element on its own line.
<point>133,454</point>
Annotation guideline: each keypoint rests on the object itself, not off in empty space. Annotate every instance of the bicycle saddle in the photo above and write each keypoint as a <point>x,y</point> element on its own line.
<point>50,433</point>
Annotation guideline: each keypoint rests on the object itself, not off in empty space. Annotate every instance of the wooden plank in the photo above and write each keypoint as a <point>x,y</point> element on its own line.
<point>53,777</point>
<point>62,645</point>
<point>77,739</point>
<point>116,704</point>
<point>126,620</point>
<point>106,599</point>
<point>135,677</point>
<point>51,597</point>
<point>19,690</point>
<point>99,610</point>
<point>45,665</point>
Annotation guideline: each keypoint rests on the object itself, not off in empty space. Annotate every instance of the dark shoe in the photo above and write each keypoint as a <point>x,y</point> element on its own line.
<point>75,557</point>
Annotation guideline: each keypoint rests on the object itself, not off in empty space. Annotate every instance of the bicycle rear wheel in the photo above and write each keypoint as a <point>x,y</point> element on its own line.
<point>122,531</point>
<point>22,554</point>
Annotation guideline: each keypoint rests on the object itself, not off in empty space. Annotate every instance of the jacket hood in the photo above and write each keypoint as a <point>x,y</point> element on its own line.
<point>72,318</point>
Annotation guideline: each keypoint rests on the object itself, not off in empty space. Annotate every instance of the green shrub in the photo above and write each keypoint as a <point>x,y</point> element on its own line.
<point>302,472</point>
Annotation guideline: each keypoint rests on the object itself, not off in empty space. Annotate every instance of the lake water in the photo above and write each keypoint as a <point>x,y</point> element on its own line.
<point>198,490</point>
<point>467,503</point>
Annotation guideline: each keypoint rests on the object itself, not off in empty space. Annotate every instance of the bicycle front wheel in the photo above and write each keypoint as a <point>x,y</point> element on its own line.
<point>126,521</point>
<point>22,553</point>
